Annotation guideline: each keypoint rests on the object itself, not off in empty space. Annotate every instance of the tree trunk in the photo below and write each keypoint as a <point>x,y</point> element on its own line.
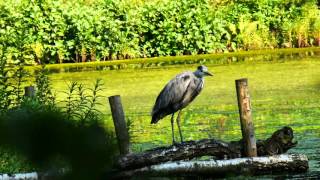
<point>83,55</point>
<point>278,143</point>
<point>77,56</point>
<point>93,55</point>
<point>220,168</point>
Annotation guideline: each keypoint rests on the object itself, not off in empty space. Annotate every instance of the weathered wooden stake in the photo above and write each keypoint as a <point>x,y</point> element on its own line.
<point>29,91</point>
<point>247,127</point>
<point>120,124</point>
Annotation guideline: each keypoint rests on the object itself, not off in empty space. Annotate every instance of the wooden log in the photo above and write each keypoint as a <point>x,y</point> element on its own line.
<point>29,91</point>
<point>19,176</point>
<point>253,166</point>
<point>220,168</point>
<point>279,142</point>
<point>120,124</point>
<point>50,174</point>
<point>246,122</point>
<point>187,150</point>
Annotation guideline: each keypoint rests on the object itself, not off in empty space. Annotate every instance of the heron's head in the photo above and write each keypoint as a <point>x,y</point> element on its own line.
<point>202,71</point>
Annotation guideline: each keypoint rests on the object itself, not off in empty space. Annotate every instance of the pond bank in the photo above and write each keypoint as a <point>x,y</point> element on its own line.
<point>221,58</point>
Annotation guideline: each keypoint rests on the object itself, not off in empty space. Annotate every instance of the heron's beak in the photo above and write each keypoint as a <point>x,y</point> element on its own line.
<point>208,74</point>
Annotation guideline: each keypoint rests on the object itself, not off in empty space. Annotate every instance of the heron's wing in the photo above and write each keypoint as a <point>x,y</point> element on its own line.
<point>194,88</point>
<point>172,94</point>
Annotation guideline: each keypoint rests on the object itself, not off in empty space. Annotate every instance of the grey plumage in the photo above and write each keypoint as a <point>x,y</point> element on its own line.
<point>177,94</point>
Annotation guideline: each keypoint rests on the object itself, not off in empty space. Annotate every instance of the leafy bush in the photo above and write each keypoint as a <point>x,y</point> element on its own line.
<point>38,133</point>
<point>60,31</point>
<point>49,140</point>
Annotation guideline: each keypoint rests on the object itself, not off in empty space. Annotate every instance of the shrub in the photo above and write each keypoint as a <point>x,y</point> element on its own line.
<point>80,31</point>
<point>37,133</point>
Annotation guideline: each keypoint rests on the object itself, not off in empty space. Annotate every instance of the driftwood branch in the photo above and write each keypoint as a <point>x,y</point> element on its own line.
<point>278,143</point>
<point>219,168</point>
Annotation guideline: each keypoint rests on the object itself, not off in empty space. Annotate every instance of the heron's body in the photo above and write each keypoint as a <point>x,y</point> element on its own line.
<point>177,94</point>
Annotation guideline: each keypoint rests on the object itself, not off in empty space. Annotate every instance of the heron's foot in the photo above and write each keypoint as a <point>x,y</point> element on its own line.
<point>178,144</point>
<point>183,143</point>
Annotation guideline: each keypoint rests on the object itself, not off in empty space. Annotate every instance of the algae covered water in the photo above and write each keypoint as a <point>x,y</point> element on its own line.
<point>285,91</point>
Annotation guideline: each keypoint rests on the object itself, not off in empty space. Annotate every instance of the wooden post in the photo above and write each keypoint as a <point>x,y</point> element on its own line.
<point>247,127</point>
<point>120,124</point>
<point>29,91</point>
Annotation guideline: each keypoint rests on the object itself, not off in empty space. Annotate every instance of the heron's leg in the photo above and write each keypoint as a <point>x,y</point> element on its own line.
<point>178,122</point>
<point>172,129</point>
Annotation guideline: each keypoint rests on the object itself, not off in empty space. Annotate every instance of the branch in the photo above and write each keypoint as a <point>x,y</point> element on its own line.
<point>278,143</point>
<point>220,168</point>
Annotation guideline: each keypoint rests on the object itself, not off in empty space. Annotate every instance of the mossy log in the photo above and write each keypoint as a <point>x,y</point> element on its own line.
<point>220,168</point>
<point>280,141</point>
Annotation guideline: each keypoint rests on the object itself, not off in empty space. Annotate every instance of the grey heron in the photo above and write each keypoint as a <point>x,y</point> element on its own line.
<point>177,94</point>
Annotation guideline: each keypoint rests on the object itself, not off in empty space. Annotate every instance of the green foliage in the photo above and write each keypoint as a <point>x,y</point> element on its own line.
<point>80,31</point>
<point>6,91</point>
<point>11,80</point>
<point>39,133</point>
<point>80,103</point>
<point>44,93</point>
<point>180,27</point>
<point>84,149</point>
<point>11,161</point>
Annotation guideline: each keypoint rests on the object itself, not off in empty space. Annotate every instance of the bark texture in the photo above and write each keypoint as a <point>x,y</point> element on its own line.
<point>278,143</point>
<point>220,168</point>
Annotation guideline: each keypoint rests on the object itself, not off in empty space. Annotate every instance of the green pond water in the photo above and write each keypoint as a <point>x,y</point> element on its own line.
<point>285,91</point>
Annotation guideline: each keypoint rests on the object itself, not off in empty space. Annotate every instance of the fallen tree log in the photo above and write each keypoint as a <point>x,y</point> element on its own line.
<point>19,176</point>
<point>278,143</point>
<point>50,174</point>
<point>220,168</point>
